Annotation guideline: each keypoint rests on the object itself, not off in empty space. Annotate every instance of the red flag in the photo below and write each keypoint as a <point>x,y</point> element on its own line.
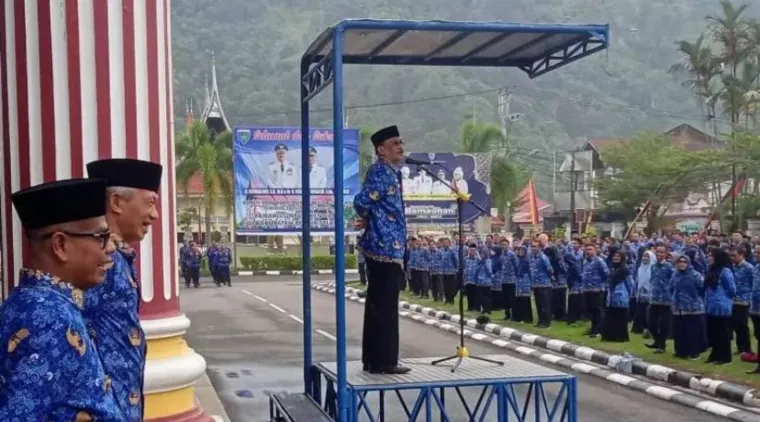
<point>533,200</point>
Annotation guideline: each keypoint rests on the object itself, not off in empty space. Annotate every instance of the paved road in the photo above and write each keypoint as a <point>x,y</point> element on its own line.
<point>251,337</point>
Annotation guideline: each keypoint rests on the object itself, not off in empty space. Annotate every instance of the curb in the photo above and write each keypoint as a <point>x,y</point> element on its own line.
<point>449,323</point>
<point>292,272</point>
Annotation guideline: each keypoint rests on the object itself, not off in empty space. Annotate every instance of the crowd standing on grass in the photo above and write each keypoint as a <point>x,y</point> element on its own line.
<point>698,290</point>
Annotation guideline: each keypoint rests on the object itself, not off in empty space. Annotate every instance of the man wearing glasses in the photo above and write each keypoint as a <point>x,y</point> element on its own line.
<point>50,369</point>
<point>112,308</point>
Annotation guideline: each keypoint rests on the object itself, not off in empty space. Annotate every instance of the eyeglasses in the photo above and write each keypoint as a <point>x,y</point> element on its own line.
<point>101,237</point>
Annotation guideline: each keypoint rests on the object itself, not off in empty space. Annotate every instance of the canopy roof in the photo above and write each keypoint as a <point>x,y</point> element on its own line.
<point>535,49</point>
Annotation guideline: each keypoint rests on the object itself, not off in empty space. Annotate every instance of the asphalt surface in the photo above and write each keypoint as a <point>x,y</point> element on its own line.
<point>251,337</point>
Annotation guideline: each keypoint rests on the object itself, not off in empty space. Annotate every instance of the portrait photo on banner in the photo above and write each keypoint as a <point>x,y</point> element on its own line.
<point>268,174</point>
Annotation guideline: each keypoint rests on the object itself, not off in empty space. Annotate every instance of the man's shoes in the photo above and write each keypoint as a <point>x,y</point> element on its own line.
<point>390,370</point>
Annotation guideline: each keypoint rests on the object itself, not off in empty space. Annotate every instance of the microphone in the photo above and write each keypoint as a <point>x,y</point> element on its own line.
<point>416,162</point>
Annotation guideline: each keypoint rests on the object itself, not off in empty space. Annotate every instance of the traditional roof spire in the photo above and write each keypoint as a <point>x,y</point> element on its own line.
<point>213,114</point>
<point>189,113</point>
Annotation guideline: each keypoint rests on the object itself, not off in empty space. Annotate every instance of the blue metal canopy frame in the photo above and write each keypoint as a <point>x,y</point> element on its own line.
<point>534,49</point>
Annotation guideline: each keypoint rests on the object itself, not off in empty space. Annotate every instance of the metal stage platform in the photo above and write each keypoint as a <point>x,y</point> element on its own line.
<point>517,391</point>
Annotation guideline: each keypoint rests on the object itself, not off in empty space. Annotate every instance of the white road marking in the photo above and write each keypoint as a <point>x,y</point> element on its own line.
<point>296,318</point>
<point>247,292</point>
<point>260,298</point>
<point>326,334</point>
<point>277,307</point>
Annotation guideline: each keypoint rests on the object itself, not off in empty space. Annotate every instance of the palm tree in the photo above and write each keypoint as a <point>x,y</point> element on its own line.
<point>211,158</point>
<point>507,178</point>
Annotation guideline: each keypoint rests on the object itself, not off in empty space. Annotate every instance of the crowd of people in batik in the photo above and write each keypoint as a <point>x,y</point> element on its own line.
<point>701,291</point>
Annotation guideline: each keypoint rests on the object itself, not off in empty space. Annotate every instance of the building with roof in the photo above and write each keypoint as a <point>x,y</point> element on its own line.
<point>579,170</point>
<point>212,114</point>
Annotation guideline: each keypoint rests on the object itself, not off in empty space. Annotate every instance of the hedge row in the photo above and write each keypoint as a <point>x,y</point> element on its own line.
<point>294,263</point>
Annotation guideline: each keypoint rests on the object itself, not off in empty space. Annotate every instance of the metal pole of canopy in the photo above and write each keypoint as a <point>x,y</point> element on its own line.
<point>305,231</point>
<point>340,272</point>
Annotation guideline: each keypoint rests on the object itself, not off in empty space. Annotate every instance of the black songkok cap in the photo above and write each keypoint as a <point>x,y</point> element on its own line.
<point>60,202</point>
<point>127,173</point>
<point>384,134</point>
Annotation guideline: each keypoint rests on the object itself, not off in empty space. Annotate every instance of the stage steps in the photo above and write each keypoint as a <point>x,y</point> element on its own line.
<point>295,408</point>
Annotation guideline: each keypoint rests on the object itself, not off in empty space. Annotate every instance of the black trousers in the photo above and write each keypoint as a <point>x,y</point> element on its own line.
<point>719,338</point>
<point>508,298</point>
<point>740,326</point>
<point>640,317</point>
<point>363,273</point>
<point>380,343</point>
<point>595,308</point>
<point>194,275</point>
<point>658,322</point>
<point>543,296</point>
<point>483,294</point>
<point>223,274</point>
<point>450,287</point>
<point>559,302</point>
<point>575,307</point>
<point>436,286</point>
<point>756,329</point>
<point>472,297</point>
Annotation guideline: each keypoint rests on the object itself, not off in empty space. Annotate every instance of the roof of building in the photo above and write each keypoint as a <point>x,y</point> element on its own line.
<point>212,107</point>
<point>194,185</point>
<point>522,213</point>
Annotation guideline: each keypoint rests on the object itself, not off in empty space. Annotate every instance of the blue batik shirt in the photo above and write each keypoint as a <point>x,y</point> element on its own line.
<point>523,276</point>
<point>223,257</point>
<point>193,258</point>
<point>449,261</point>
<point>743,278</point>
<point>49,367</point>
<point>754,299</point>
<point>719,299</point>
<point>661,282</point>
<point>484,272</point>
<point>111,312</point>
<point>419,259</point>
<point>540,270</point>
<point>508,267</point>
<point>471,269</point>
<point>435,260</point>
<point>594,274</point>
<point>381,205</point>
<point>688,289</point>
<point>212,254</point>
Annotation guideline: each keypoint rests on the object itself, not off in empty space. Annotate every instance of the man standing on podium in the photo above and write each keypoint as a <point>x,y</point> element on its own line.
<point>380,206</point>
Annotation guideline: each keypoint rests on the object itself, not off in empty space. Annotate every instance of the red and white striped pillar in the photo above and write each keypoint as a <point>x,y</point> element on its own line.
<point>82,80</point>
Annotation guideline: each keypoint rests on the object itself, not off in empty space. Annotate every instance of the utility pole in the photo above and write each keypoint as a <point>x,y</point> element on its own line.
<point>572,192</point>
<point>554,179</point>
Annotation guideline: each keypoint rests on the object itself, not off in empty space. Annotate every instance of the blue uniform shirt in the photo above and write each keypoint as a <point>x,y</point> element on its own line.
<point>594,274</point>
<point>540,270</point>
<point>223,257</point>
<point>719,299</point>
<point>743,279</point>
<point>508,267</point>
<point>419,259</point>
<point>193,258</point>
<point>661,282</point>
<point>49,367</point>
<point>449,260</point>
<point>111,313</point>
<point>381,206</point>
<point>754,303</point>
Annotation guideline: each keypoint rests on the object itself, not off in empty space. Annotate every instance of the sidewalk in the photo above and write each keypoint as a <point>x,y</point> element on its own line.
<point>209,400</point>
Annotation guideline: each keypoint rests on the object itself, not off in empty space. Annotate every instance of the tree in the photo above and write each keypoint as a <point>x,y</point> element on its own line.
<point>507,177</point>
<point>210,158</point>
<point>650,168</point>
<point>366,150</point>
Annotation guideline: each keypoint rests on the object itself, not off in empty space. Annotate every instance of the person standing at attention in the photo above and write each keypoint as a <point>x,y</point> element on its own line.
<point>49,366</point>
<point>111,308</point>
<point>380,206</point>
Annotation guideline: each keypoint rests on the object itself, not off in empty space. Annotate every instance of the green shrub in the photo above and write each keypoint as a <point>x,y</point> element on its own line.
<point>291,263</point>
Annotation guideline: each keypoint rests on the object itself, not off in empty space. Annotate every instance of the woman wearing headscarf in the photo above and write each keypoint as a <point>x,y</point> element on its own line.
<point>484,281</point>
<point>643,290</point>
<point>689,332</point>
<point>619,285</point>
<point>720,290</point>
<point>523,311</point>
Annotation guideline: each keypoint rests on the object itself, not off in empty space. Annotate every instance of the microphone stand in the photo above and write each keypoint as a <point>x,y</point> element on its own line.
<point>462,352</point>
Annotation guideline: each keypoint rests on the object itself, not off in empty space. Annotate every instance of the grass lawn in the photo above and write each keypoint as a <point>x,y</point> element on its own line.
<point>735,372</point>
